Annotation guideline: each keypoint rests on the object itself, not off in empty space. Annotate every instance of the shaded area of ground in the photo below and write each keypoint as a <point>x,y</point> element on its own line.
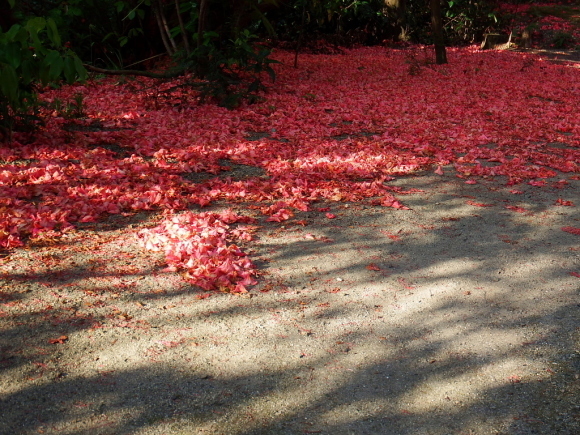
<point>458,316</point>
<point>556,56</point>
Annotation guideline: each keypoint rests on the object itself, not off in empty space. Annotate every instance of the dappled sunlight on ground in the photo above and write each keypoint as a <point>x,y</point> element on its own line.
<point>413,272</point>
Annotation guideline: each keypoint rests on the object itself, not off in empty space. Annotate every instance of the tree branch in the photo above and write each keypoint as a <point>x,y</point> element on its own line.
<point>136,72</point>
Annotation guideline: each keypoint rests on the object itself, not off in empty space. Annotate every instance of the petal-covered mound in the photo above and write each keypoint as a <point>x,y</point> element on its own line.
<point>201,246</point>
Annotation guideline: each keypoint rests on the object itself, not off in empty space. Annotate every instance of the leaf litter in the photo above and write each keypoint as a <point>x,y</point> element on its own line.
<point>111,262</point>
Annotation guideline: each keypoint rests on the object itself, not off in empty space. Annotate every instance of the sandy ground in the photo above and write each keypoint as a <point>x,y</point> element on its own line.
<point>458,316</point>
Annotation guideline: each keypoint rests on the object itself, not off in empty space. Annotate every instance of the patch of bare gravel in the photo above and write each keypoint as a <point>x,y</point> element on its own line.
<point>569,56</point>
<point>449,318</point>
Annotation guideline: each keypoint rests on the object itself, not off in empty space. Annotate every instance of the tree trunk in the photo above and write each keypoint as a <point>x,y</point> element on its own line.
<point>157,11</point>
<point>201,21</point>
<point>201,67</point>
<point>301,36</point>
<point>182,28</point>
<point>166,26</point>
<point>437,28</point>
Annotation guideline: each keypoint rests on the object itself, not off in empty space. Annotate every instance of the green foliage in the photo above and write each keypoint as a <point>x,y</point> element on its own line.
<point>468,20</point>
<point>115,33</point>
<point>232,70</point>
<point>563,40</point>
<point>372,21</point>
<point>107,33</point>
<point>347,21</point>
<point>464,21</point>
<point>68,109</point>
<point>32,55</point>
<point>133,14</point>
<point>416,22</point>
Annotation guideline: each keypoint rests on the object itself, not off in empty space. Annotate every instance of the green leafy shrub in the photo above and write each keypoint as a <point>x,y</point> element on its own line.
<point>71,109</point>
<point>563,40</point>
<point>106,33</point>
<point>466,21</point>
<point>343,22</point>
<point>231,70</point>
<point>31,56</point>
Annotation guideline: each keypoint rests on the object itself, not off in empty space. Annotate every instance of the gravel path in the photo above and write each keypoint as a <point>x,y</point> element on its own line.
<point>458,316</point>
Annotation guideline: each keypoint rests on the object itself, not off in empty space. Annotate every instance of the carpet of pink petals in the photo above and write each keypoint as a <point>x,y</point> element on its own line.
<point>337,128</point>
<point>544,28</point>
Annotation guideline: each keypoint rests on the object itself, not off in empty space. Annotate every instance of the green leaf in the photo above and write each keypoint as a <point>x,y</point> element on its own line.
<point>22,36</point>
<point>53,64</point>
<point>35,25</point>
<point>9,84</point>
<point>56,67</point>
<point>271,73</point>
<point>267,24</point>
<point>108,35</point>
<point>135,31</point>
<point>12,33</point>
<point>53,32</point>
<point>69,69</point>
<point>11,3</point>
<point>73,10</point>
<point>81,71</point>
<point>12,54</point>
<point>43,73</point>
<point>26,72</point>
<point>120,6</point>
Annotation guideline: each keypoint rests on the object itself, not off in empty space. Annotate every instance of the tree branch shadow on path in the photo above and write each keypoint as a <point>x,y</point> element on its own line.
<point>469,324</point>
